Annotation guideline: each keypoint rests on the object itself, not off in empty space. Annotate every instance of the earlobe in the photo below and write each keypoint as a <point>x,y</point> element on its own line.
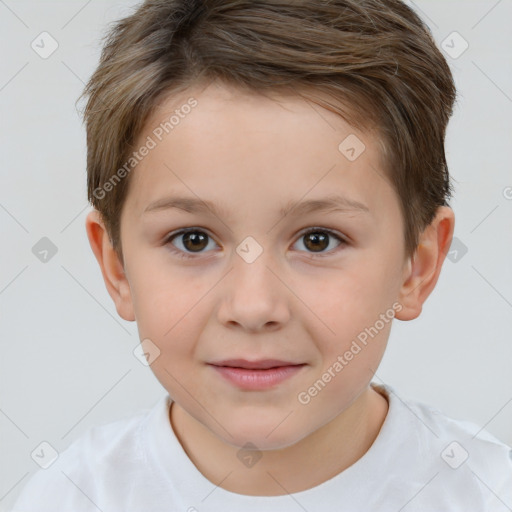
<point>112,270</point>
<point>421,272</point>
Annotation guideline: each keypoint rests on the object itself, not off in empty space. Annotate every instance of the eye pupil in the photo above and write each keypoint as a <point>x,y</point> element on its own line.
<point>318,239</point>
<point>196,238</point>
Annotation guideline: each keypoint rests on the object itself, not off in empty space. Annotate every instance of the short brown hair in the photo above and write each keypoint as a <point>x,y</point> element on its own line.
<point>376,59</point>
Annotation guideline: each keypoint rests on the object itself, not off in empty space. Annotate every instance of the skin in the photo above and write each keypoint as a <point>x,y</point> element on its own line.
<point>251,155</point>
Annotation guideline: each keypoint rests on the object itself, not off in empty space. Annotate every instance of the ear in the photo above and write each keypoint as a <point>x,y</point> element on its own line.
<point>422,272</point>
<point>112,269</point>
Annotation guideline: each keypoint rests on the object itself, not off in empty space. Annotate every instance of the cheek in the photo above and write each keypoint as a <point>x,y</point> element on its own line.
<point>348,307</point>
<point>350,296</point>
<point>167,309</point>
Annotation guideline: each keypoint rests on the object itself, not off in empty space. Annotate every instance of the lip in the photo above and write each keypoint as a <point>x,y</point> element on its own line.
<point>262,364</point>
<point>257,378</point>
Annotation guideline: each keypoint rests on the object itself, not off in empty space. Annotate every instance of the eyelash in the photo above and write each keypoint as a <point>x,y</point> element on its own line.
<point>185,255</point>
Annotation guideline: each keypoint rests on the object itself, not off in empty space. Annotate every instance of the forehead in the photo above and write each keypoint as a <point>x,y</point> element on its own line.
<point>251,148</point>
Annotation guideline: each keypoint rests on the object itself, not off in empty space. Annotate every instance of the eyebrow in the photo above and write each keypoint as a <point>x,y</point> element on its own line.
<point>328,203</point>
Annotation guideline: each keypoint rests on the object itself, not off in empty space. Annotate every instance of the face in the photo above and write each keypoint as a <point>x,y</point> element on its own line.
<point>250,276</point>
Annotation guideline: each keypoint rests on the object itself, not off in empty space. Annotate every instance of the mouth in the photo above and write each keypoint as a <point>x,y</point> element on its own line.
<point>256,375</point>
<point>262,364</point>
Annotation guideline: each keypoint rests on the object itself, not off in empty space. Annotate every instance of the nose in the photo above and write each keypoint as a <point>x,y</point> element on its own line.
<point>253,297</point>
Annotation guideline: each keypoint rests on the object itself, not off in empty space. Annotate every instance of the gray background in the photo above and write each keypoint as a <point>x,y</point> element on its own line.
<point>67,359</point>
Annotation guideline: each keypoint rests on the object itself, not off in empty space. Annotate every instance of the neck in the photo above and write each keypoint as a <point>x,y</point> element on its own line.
<point>313,460</point>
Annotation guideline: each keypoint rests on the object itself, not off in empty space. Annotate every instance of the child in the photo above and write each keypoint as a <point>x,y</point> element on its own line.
<point>298,148</point>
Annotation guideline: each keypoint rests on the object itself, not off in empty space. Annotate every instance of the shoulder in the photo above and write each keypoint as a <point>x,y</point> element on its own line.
<point>473,439</point>
<point>462,457</point>
<point>103,455</point>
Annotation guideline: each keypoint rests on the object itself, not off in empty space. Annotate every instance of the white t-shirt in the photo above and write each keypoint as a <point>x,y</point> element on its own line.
<point>420,461</point>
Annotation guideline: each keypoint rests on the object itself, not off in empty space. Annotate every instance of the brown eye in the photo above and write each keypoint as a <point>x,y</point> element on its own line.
<point>195,240</point>
<point>187,242</point>
<point>318,240</point>
<point>191,241</point>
